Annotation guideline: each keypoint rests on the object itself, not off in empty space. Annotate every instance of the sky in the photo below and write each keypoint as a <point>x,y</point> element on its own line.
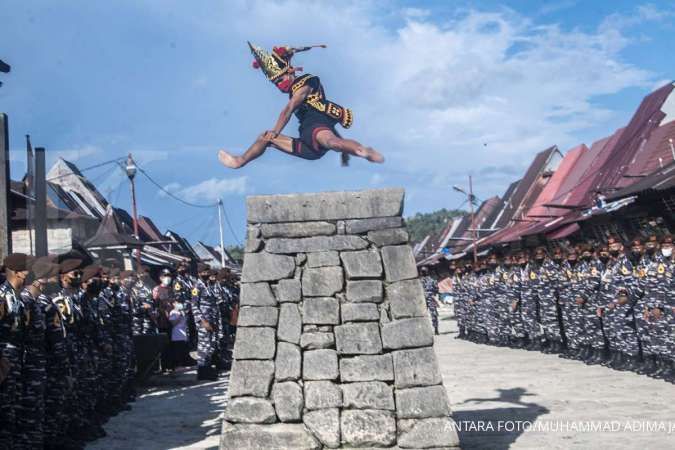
<point>443,89</point>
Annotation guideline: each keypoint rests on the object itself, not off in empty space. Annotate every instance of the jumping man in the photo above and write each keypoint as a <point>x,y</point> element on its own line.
<point>317,116</point>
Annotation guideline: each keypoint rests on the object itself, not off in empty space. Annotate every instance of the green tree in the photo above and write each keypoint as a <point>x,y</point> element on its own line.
<point>422,224</point>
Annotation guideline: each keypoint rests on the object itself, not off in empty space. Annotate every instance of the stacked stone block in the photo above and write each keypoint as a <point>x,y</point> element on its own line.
<point>334,346</point>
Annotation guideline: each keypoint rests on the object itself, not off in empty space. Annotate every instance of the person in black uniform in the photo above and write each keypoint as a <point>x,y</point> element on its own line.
<point>317,115</point>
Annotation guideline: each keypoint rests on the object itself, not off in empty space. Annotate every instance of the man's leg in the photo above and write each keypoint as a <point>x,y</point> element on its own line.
<point>281,142</point>
<point>328,139</point>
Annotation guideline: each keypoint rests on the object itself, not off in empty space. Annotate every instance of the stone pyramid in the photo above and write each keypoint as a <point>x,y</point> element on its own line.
<point>334,345</point>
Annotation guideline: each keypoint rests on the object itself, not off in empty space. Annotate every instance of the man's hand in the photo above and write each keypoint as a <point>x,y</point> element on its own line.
<point>580,301</point>
<point>611,305</point>
<point>270,135</point>
<point>514,305</point>
<point>5,365</point>
<point>207,326</point>
<point>599,312</point>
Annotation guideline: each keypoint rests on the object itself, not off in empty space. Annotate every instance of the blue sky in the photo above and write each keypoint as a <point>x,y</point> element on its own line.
<point>442,88</point>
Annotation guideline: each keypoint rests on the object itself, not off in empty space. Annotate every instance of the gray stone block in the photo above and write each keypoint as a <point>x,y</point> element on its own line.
<point>258,316</point>
<point>251,378</point>
<point>297,229</point>
<point>322,282</point>
<point>427,433</point>
<point>360,226</point>
<point>422,402</point>
<point>399,263</point>
<point>252,232</point>
<point>278,436</point>
<point>406,299</point>
<point>368,395</point>
<point>394,236</point>
<point>366,427</point>
<point>323,259</point>
<point>288,365</point>
<point>320,365</point>
<point>288,401</point>
<point>254,343</point>
<point>325,424</point>
<point>361,338</point>
<point>417,367</point>
<point>315,244</point>
<point>367,368</point>
<point>311,328</point>
<point>320,311</point>
<point>300,260</point>
<point>407,333</point>
<point>322,394</point>
<point>288,291</point>
<point>290,323</point>
<point>253,245</point>
<point>317,340</point>
<point>324,206</point>
<point>249,410</point>
<point>362,264</point>
<point>359,312</point>
<point>364,291</point>
<point>266,267</point>
<point>257,294</point>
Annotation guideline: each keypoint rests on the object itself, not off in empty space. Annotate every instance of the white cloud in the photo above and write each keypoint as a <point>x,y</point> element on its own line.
<point>212,189</point>
<point>75,154</point>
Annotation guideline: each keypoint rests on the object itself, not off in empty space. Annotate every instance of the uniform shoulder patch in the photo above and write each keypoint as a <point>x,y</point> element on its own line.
<point>195,292</point>
<point>177,287</point>
<point>661,268</point>
<point>533,276</point>
<point>624,270</point>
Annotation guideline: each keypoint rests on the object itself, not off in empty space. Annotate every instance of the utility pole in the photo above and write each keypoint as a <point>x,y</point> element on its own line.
<point>220,230</point>
<point>474,235</point>
<point>131,173</point>
<point>40,216</point>
<point>5,200</point>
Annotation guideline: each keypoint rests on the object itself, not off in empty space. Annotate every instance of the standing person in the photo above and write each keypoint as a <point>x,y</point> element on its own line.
<point>547,292</point>
<point>430,292</point>
<point>530,299</point>
<point>514,295</point>
<point>179,338</point>
<point>205,312</point>
<point>162,296</point>
<point>32,406</point>
<point>662,313</point>
<point>317,116</point>
<point>145,310</point>
<point>11,334</point>
<point>620,294</point>
<point>592,294</point>
<point>182,291</point>
<point>651,279</point>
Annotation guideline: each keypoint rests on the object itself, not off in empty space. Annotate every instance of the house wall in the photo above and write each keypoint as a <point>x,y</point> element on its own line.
<point>59,239</point>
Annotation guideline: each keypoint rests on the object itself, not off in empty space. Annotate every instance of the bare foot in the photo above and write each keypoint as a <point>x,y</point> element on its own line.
<point>374,156</point>
<point>233,162</point>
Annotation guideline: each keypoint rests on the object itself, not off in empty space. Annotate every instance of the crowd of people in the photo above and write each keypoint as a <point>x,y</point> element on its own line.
<point>606,304</point>
<point>68,332</point>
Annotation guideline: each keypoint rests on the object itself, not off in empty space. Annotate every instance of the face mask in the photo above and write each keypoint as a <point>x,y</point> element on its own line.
<point>650,250</point>
<point>604,258</point>
<point>166,281</point>
<point>115,287</point>
<point>94,288</point>
<point>667,252</point>
<point>179,307</point>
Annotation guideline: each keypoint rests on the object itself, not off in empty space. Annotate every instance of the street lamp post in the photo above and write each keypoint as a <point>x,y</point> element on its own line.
<point>131,173</point>
<point>474,236</point>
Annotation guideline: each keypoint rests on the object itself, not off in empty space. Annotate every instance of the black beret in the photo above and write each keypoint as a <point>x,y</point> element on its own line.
<point>126,274</point>
<point>18,262</point>
<point>201,267</point>
<point>70,264</point>
<point>90,272</point>
<point>43,268</point>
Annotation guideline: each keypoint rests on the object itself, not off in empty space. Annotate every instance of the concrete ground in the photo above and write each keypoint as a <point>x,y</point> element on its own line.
<point>171,412</point>
<point>499,397</point>
<point>491,387</point>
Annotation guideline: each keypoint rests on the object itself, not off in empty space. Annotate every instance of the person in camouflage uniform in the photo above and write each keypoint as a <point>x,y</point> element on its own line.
<point>205,311</point>
<point>144,307</point>
<point>12,321</point>
<point>529,299</point>
<point>430,287</point>
<point>660,310</point>
<point>572,315</point>
<point>547,288</point>
<point>32,406</point>
<point>620,293</point>
<point>459,302</point>
<point>517,332</point>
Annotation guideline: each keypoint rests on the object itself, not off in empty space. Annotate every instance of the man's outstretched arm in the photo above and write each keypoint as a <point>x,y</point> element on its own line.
<point>286,113</point>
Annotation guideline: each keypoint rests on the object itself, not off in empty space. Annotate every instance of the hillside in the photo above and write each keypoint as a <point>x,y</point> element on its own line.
<point>422,224</point>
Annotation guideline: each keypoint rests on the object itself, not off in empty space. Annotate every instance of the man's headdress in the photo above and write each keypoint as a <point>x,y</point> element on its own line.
<point>278,62</point>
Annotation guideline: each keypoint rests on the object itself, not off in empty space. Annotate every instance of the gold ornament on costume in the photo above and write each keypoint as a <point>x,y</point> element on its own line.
<point>272,65</point>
